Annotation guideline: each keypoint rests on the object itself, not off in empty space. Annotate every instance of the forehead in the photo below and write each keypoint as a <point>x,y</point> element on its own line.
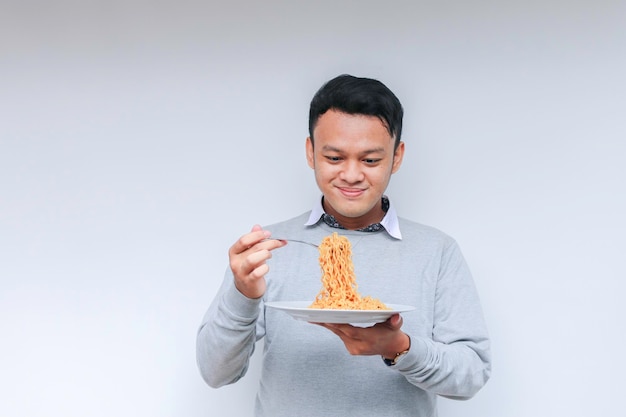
<point>334,127</point>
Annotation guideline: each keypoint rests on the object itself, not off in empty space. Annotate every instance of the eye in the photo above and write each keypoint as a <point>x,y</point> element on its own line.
<point>332,158</point>
<point>372,161</point>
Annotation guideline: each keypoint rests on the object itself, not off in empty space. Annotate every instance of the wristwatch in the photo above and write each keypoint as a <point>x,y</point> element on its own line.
<point>392,362</point>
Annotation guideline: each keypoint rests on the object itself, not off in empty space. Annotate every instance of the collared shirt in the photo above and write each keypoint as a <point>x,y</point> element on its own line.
<point>389,222</point>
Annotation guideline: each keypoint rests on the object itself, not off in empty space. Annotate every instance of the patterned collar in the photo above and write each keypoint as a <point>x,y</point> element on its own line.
<point>389,223</point>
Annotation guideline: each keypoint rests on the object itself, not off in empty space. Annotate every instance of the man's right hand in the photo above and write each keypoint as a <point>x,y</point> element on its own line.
<point>248,258</point>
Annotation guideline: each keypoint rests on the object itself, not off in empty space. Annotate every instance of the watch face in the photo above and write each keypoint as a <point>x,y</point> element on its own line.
<point>391,362</point>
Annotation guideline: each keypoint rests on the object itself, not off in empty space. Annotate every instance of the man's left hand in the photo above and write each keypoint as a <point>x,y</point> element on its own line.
<point>385,339</point>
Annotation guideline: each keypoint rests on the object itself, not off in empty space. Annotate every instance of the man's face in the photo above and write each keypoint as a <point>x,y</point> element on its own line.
<point>353,158</point>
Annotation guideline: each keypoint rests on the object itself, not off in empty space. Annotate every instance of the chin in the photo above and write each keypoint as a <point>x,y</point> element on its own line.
<point>353,214</point>
<point>351,209</point>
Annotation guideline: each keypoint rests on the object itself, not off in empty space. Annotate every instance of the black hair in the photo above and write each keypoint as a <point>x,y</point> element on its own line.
<point>355,95</point>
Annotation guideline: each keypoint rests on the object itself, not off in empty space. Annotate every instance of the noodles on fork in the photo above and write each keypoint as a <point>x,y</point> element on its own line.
<point>339,287</point>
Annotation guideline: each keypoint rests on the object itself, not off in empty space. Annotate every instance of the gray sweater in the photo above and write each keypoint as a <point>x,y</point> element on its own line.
<point>306,369</point>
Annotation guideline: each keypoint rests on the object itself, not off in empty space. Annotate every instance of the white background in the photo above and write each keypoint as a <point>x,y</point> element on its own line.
<point>139,139</point>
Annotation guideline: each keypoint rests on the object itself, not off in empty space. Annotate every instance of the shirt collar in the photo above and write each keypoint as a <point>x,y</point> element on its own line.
<point>389,222</point>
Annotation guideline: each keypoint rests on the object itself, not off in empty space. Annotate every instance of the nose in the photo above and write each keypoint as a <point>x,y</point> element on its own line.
<point>351,172</point>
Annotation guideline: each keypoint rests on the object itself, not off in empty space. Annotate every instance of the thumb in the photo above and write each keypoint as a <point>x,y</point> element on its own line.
<point>394,322</point>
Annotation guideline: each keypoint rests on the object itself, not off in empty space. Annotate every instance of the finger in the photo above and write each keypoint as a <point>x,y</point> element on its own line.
<point>345,331</point>
<point>244,264</point>
<point>270,244</point>
<point>253,238</point>
<point>248,240</point>
<point>259,239</point>
<point>260,271</point>
<point>394,322</point>
<point>256,259</point>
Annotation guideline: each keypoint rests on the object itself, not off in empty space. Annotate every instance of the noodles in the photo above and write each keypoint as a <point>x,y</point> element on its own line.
<point>339,288</point>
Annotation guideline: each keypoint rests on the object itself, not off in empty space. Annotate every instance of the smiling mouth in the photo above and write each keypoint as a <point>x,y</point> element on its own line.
<point>351,192</point>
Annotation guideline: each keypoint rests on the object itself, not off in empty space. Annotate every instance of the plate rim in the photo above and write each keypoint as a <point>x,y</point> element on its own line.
<point>280,305</point>
<point>299,310</point>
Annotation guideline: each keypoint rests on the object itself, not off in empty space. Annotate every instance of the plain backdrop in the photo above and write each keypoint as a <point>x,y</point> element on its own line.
<point>140,139</point>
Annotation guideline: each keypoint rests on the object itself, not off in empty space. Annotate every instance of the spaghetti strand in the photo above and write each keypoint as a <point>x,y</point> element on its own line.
<point>339,287</point>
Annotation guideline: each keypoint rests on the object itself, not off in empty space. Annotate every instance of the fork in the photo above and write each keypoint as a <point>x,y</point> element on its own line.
<point>293,240</point>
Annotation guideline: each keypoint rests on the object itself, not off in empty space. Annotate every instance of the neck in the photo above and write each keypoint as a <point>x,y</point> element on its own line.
<point>354,223</point>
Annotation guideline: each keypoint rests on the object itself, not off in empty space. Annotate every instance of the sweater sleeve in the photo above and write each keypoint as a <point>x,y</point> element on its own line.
<point>456,362</point>
<point>227,335</point>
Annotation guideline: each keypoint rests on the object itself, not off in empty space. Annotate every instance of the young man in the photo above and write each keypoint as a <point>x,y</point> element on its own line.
<point>440,348</point>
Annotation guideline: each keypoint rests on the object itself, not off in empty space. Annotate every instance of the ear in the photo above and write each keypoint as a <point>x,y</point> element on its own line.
<point>310,155</point>
<point>397,158</point>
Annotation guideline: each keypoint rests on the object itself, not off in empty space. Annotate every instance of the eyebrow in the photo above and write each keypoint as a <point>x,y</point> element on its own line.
<point>329,148</point>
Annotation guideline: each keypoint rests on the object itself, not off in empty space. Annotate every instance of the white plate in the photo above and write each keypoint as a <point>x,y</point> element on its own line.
<point>300,310</point>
